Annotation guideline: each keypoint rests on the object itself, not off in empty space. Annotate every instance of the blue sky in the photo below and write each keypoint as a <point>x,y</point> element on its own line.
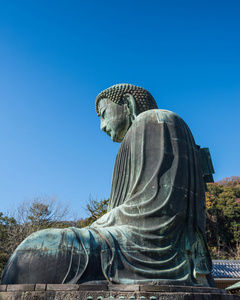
<point>56,56</point>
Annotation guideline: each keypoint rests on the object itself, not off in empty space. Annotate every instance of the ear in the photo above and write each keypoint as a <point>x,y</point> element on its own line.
<point>131,103</point>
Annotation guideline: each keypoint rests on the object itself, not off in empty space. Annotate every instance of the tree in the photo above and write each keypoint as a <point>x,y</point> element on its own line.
<point>233,181</point>
<point>223,217</point>
<point>95,209</point>
<point>5,224</point>
<point>30,216</point>
<point>39,213</point>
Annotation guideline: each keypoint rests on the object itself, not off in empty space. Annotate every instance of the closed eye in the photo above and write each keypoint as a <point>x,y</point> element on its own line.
<point>103,113</point>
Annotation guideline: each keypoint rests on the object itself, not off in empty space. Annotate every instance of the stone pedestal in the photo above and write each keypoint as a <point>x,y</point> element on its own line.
<point>97,292</point>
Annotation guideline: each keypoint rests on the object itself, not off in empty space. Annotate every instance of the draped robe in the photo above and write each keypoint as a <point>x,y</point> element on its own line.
<point>153,231</point>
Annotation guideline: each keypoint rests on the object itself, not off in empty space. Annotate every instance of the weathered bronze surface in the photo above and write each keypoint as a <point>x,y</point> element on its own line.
<point>153,232</point>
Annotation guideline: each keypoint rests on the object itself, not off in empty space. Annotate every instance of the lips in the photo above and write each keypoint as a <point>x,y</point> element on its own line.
<point>108,131</point>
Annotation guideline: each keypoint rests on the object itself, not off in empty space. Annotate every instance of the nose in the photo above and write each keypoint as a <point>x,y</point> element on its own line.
<point>103,125</point>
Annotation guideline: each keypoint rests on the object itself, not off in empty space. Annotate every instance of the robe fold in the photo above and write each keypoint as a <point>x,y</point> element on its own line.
<point>154,229</point>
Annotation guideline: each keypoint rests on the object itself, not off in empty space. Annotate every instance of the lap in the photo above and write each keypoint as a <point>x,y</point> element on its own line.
<point>53,256</point>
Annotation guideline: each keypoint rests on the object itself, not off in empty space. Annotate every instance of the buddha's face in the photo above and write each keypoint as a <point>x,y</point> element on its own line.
<point>115,119</point>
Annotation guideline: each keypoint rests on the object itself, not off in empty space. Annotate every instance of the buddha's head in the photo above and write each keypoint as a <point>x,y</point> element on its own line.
<point>119,105</point>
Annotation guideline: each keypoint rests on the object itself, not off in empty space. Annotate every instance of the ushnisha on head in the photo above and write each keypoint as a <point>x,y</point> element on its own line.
<point>119,105</point>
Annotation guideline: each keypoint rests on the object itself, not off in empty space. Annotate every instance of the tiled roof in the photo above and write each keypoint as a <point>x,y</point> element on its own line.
<point>226,269</point>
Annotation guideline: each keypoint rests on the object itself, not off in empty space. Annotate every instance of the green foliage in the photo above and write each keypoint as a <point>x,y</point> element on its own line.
<point>4,257</point>
<point>40,213</point>
<point>6,224</point>
<point>95,209</point>
<point>223,217</point>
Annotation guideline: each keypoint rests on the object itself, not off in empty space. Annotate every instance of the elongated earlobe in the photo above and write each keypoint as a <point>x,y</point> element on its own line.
<point>131,105</point>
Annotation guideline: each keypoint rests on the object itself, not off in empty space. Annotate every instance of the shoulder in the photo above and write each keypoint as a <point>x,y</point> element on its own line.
<point>154,120</point>
<point>160,115</point>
